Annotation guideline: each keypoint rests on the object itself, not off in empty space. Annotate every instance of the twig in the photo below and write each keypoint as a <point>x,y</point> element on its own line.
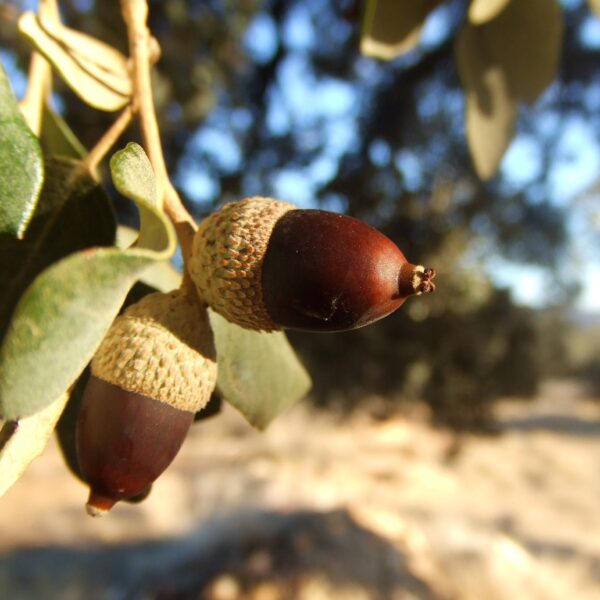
<point>39,84</point>
<point>38,89</point>
<point>135,14</point>
<point>184,223</point>
<point>107,141</point>
<point>49,8</point>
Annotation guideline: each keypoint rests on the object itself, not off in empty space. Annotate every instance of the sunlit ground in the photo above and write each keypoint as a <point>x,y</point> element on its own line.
<point>316,508</point>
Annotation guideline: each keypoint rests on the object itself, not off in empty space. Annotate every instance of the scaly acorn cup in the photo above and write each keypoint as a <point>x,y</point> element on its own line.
<point>153,371</point>
<point>264,264</point>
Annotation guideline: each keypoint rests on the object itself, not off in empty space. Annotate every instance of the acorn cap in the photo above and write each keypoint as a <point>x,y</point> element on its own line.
<point>161,347</point>
<point>228,253</point>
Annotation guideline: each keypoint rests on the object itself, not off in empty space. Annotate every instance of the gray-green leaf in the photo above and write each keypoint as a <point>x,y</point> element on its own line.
<point>524,40</point>
<point>58,324</point>
<point>491,109</point>
<point>259,373</point>
<point>481,11</point>
<point>133,177</point>
<point>73,213</point>
<point>26,440</point>
<point>63,315</point>
<point>21,165</point>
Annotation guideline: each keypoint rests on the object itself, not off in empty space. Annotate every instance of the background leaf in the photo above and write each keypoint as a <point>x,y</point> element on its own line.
<point>481,11</point>
<point>524,40</point>
<point>510,58</point>
<point>63,315</point>
<point>391,28</point>
<point>595,6</point>
<point>100,60</point>
<point>259,373</point>
<point>491,110</point>
<point>27,441</point>
<point>90,85</point>
<point>133,175</point>
<point>21,165</point>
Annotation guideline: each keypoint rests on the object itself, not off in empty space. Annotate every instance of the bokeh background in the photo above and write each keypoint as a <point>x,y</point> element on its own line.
<point>451,450</point>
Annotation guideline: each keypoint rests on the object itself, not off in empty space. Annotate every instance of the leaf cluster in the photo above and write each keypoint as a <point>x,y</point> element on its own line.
<point>65,270</point>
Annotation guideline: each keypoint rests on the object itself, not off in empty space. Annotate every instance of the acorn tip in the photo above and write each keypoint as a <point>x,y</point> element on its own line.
<point>98,505</point>
<point>422,280</point>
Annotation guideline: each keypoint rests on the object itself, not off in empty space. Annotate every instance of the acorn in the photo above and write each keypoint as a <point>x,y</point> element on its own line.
<point>154,370</point>
<point>264,264</point>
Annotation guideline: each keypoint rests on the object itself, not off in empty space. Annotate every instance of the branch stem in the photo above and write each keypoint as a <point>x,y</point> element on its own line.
<point>38,89</point>
<point>108,140</point>
<point>135,14</point>
<point>39,79</point>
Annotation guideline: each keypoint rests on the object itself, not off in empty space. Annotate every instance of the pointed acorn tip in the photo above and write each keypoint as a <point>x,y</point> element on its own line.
<point>415,280</point>
<point>423,280</point>
<point>98,505</point>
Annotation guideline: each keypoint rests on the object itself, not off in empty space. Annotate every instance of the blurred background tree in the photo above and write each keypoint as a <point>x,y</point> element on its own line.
<point>273,97</point>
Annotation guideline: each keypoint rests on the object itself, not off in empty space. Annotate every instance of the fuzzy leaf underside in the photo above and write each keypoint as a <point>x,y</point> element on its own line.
<point>21,165</point>
<point>259,373</point>
<point>64,313</point>
<point>73,213</point>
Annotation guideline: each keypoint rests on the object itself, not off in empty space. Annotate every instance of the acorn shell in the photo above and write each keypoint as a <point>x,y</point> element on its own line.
<point>325,271</point>
<point>227,257</point>
<point>161,347</point>
<point>124,442</point>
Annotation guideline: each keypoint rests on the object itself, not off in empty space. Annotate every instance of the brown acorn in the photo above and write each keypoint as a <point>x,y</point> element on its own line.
<point>153,371</point>
<point>265,265</point>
